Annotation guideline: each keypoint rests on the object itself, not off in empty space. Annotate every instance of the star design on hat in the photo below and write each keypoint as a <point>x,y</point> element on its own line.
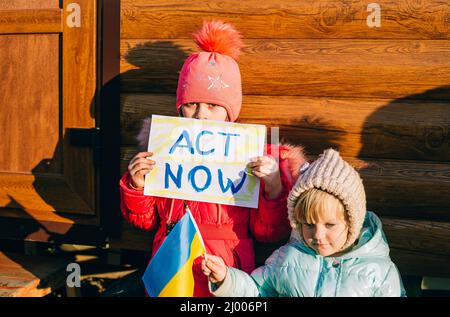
<point>217,82</point>
<point>184,85</point>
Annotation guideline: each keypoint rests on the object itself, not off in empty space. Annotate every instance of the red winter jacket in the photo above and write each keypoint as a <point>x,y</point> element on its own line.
<point>226,230</point>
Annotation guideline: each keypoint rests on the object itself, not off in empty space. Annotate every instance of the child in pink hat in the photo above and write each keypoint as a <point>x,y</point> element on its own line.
<point>209,88</point>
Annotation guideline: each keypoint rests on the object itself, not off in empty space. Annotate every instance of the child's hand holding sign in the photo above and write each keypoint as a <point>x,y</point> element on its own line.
<point>139,166</point>
<point>266,168</point>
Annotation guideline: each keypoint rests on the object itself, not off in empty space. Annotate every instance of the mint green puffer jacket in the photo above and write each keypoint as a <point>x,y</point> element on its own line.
<point>296,270</point>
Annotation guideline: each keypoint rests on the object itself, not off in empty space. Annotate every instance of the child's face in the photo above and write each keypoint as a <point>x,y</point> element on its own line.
<point>205,111</point>
<point>326,236</point>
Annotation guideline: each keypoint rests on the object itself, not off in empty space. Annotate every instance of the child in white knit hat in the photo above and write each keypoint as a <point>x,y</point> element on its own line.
<point>336,247</point>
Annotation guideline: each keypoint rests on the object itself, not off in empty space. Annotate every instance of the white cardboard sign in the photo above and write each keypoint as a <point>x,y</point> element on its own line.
<point>204,160</point>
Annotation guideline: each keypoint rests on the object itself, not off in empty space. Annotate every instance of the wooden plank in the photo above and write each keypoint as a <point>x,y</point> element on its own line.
<point>22,275</point>
<point>407,189</point>
<point>39,193</point>
<point>28,4</point>
<point>19,287</point>
<point>414,69</point>
<point>421,264</point>
<point>79,69</point>
<point>49,219</point>
<point>421,236</point>
<point>375,128</point>
<point>167,19</point>
<point>31,21</point>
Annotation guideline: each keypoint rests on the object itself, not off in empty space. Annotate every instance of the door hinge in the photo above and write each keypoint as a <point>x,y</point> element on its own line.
<point>87,137</point>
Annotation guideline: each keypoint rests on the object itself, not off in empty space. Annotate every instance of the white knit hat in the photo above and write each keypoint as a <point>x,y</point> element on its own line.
<point>335,176</point>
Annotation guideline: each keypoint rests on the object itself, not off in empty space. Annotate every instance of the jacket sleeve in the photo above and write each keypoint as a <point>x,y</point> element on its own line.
<point>261,283</point>
<point>237,283</point>
<point>269,222</point>
<point>136,208</point>
<point>392,285</point>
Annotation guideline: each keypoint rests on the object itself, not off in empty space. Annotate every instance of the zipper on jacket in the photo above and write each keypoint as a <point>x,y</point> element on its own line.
<point>337,264</point>
<point>320,278</point>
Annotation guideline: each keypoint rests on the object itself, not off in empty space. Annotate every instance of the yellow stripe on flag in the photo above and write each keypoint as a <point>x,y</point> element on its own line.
<point>182,283</point>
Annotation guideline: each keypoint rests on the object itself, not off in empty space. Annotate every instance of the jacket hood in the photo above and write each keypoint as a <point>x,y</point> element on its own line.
<point>371,242</point>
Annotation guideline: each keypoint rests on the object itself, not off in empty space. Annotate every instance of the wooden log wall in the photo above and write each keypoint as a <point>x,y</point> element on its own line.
<point>316,70</point>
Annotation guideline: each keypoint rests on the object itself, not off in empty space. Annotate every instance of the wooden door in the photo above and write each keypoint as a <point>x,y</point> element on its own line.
<point>48,174</point>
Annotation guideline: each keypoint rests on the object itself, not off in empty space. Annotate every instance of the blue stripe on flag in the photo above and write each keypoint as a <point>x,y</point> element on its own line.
<point>170,257</point>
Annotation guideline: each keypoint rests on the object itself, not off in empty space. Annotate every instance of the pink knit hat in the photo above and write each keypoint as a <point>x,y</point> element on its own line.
<point>213,76</point>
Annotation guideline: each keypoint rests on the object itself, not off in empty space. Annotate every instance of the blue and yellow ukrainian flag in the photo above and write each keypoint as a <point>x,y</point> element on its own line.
<point>169,273</point>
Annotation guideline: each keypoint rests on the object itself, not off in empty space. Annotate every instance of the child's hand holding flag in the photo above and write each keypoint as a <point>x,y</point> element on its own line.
<point>214,267</point>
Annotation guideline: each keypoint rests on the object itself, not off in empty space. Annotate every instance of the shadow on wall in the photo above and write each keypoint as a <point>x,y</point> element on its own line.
<point>157,65</point>
<point>314,133</point>
<point>148,59</point>
<point>406,144</point>
<point>416,127</point>
<point>414,133</point>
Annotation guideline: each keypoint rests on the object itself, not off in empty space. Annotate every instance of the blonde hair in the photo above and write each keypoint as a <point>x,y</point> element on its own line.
<point>314,204</point>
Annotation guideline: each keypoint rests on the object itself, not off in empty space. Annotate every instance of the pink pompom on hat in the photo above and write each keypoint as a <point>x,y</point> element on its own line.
<point>213,76</point>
